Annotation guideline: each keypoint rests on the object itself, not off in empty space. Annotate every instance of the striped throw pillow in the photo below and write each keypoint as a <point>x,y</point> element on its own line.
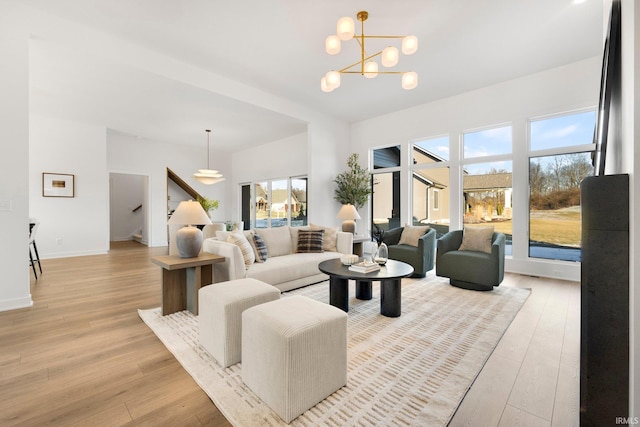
<point>261,248</point>
<point>238,239</point>
<point>310,241</point>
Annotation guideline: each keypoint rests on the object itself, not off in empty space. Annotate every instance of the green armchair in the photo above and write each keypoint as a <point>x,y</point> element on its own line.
<point>474,270</point>
<point>421,258</point>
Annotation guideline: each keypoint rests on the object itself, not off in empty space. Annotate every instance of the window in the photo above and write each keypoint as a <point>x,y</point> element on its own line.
<point>488,142</point>
<point>430,183</point>
<point>487,181</point>
<point>560,159</point>
<point>488,196</point>
<point>385,199</point>
<point>277,202</point>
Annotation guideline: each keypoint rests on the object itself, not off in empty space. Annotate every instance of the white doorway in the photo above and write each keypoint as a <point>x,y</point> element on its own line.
<point>128,207</point>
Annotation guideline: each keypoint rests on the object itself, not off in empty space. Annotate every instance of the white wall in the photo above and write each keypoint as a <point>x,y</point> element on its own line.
<point>321,154</point>
<point>14,159</point>
<point>69,226</point>
<point>127,192</point>
<point>558,90</point>
<point>128,154</point>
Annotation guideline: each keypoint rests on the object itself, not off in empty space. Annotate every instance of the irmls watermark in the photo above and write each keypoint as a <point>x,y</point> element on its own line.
<point>627,420</point>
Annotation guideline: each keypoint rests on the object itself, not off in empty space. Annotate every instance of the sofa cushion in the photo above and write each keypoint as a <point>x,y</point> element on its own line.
<point>330,237</point>
<point>411,234</point>
<point>477,239</point>
<point>241,241</point>
<point>310,241</point>
<point>287,268</point>
<point>261,248</point>
<point>277,239</point>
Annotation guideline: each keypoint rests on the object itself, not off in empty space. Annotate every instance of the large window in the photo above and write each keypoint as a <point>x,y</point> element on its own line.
<point>560,159</point>
<point>430,183</point>
<point>487,181</point>
<point>385,200</point>
<point>276,203</point>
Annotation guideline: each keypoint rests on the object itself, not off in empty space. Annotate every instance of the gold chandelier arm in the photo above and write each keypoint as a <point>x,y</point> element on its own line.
<point>379,72</point>
<point>362,61</point>
<point>382,37</point>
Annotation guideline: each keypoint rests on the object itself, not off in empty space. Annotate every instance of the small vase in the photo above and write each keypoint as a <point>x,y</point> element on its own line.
<point>382,254</point>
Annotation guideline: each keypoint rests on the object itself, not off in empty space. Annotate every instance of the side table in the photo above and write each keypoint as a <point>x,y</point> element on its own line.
<point>358,244</point>
<point>182,278</point>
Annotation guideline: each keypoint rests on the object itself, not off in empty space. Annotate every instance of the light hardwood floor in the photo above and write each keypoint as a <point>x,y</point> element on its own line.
<point>82,356</point>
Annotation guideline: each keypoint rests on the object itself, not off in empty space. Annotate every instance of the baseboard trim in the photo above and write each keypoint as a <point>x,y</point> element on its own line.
<point>14,304</point>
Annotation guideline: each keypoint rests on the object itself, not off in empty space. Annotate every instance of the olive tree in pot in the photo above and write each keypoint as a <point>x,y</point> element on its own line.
<point>353,187</point>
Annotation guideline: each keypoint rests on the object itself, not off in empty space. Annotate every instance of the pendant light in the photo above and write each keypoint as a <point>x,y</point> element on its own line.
<point>208,176</point>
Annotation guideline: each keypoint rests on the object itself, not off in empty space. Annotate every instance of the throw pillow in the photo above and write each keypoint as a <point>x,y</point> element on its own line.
<point>277,239</point>
<point>261,248</point>
<point>411,234</point>
<point>477,239</point>
<point>310,241</point>
<point>329,239</point>
<point>240,241</point>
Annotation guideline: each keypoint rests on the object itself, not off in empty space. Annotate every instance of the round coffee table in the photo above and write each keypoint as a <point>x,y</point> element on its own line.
<point>390,276</point>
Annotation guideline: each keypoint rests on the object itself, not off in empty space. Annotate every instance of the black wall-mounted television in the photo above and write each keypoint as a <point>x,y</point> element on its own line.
<point>608,114</point>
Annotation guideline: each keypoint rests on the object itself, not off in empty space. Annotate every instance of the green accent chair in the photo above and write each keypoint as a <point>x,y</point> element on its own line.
<point>473,270</point>
<point>421,258</point>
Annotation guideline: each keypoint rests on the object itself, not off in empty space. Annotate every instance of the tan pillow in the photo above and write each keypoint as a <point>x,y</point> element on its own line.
<point>330,238</point>
<point>477,239</point>
<point>411,234</point>
<point>277,239</point>
<point>240,241</point>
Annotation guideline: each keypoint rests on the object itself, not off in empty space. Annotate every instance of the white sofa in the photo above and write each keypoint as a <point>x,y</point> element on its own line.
<point>284,268</point>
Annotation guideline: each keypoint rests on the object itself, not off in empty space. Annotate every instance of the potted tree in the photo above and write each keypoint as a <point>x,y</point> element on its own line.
<point>208,204</point>
<point>353,186</point>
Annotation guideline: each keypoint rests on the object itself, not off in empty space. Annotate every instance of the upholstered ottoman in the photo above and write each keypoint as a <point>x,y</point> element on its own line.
<point>220,307</point>
<point>294,353</point>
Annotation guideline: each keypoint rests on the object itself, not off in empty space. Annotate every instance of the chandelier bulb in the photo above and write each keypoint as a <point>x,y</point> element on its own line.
<point>371,69</point>
<point>333,79</point>
<point>409,45</point>
<point>409,80</point>
<point>346,28</point>
<point>332,45</point>
<point>390,56</point>
<point>324,86</point>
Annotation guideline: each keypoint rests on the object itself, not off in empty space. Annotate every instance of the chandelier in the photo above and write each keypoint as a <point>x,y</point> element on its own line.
<point>367,65</point>
<point>208,176</point>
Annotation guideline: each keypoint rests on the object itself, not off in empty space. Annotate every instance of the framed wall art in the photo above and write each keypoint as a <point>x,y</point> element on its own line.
<point>57,185</point>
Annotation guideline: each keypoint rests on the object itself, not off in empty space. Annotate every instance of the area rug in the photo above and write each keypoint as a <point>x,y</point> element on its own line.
<point>405,371</point>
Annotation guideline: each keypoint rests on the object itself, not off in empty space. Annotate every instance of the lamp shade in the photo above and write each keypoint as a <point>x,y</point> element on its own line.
<point>189,239</point>
<point>390,56</point>
<point>332,45</point>
<point>371,69</point>
<point>325,86</point>
<point>346,28</point>
<point>189,212</point>
<point>409,45</point>
<point>409,80</point>
<point>333,79</point>
<point>348,213</point>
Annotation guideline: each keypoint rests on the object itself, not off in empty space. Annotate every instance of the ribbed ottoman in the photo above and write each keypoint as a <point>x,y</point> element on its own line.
<point>220,307</point>
<point>294,353</point>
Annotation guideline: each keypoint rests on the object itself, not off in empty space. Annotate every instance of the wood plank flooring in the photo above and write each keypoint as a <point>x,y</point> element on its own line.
<point>81,356</point>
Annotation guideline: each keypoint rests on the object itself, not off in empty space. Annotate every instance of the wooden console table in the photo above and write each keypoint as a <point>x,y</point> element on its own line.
<point>182,278</point>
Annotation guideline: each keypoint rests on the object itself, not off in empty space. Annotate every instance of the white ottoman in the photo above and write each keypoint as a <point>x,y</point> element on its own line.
<point>220,307</point>
<point>294,353</point>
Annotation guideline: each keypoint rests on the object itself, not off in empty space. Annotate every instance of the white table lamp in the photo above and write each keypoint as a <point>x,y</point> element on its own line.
<point>189,238</point>
<point>348,214</point>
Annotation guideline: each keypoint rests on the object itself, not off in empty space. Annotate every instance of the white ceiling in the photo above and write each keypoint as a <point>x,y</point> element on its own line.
<point>277,47</point>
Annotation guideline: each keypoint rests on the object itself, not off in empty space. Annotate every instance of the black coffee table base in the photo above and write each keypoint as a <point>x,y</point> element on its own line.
<point>390,294</point>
